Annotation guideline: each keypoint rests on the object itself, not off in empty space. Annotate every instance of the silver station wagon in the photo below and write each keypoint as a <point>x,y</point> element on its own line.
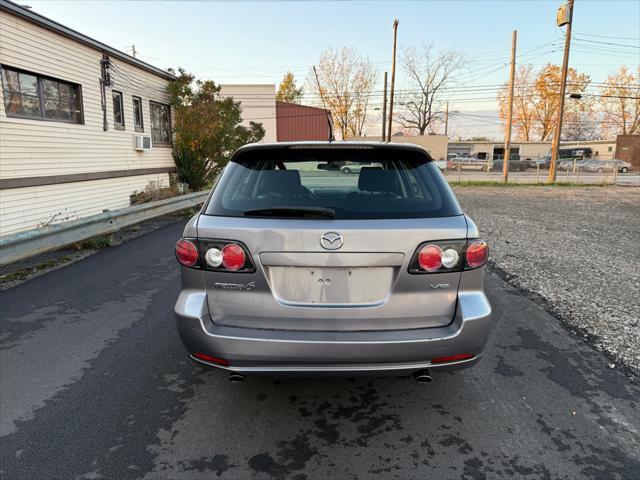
<point>294,268</point>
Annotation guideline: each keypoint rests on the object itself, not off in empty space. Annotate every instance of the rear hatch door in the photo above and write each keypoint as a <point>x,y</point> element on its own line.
<point>298,285</point>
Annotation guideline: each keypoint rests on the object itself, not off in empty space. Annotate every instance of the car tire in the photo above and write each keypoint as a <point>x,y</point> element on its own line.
<point>624,170</point>
<point>600,170</point>
<point>346,170</point>
<point>485,169</point>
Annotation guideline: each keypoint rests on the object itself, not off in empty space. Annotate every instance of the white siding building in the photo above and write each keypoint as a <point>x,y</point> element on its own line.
<point>66,136</point>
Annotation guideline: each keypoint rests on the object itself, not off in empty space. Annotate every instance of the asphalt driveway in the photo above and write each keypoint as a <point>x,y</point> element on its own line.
<point>94,384</point>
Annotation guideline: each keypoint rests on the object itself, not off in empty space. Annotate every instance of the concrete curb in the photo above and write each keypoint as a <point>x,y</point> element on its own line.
<point>32,242</point>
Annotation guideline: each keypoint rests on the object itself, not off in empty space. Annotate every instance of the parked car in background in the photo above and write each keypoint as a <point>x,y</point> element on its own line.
<point>515,165</point>
<point>469,163</point>
<point>541,162</point>
<point>573,164</point>
<point>442,164</point>
<point>623,167</point>
<point>286,271</point>
<point>601,166</point>
<point>356,167</point>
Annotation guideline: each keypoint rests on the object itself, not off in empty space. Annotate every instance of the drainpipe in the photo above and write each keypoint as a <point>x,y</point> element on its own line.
<point>105,81</point>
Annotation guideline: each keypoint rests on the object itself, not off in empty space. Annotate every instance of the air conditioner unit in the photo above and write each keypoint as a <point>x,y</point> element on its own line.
<point>141,142</point>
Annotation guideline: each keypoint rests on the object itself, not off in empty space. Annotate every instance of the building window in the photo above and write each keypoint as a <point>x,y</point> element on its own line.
<point>118,110</point>
<point>30,95</point>
<point>138,121</point>
<point>160,124</point>
<point>609,149</point>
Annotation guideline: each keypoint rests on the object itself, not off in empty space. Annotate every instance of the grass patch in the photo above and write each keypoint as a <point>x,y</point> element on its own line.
<point>95,243</point>
<point>24,273</point>
<point>495,183</point>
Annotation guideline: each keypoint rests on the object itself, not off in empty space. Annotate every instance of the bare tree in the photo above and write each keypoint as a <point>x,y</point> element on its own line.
<point>429,75</point>
<point>620,102</point>
<point>346,82</point>
<point>580,120</point>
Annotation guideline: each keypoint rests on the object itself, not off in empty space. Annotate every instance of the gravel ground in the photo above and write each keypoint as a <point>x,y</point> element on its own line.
<point>576,249</point>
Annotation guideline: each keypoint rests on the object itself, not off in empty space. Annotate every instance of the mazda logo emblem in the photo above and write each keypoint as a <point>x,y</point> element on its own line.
<point>331,240</point>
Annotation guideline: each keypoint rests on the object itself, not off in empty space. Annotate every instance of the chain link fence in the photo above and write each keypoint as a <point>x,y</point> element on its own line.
<point>605,170</point>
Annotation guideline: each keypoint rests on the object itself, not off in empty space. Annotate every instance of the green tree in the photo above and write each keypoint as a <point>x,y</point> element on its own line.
<point>288,90</point>
<point>207,129</point>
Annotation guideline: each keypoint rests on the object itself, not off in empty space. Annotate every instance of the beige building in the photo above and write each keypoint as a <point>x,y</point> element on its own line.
<point>258,103</point>
<point>436,145</point>
<point>600,149</point>
<point>82,125</point>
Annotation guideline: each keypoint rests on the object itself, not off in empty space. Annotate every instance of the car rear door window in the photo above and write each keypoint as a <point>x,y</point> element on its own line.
<point>379,183</point>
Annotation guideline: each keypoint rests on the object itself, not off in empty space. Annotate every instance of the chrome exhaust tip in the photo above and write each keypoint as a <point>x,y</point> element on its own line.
<point>422,377</point>
<point>236,377</point>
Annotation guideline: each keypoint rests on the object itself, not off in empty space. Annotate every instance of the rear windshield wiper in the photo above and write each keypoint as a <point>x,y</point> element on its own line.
<point>291,212</point>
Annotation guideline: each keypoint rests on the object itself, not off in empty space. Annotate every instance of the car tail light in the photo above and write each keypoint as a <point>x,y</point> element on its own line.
<point>453,358</point>
<point>233,257</point>
<point>211,359</point>
<point>449,256</point>
<point>430,258</point>
<point>186,252</point>
<point>214,255</point>
<point>477,253</point>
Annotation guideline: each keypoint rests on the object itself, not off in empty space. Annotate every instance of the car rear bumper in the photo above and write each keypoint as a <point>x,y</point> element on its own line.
<point>308,353</point>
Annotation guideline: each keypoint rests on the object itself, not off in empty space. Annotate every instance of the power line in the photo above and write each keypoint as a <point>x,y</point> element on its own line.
<point>626,45</point>
<point>606,36</point>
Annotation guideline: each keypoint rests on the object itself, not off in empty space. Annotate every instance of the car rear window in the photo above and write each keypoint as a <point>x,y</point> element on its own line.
<point>353,183</point>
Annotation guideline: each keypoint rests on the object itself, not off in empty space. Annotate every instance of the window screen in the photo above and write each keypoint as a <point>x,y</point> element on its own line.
<point>137,114</point>
<point>160,123</point>
<point>36,96</point>
<point>118,110</point>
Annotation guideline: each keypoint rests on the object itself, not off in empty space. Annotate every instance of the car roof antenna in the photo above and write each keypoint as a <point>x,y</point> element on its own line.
<point>324,105</point>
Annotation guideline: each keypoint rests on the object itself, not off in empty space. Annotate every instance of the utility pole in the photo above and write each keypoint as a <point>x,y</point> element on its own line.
<point>564,17</point>
<point>393,78</point>
<point>507,140</point>
<point>384,108</point>
<point>133,51</point>
<point>446,120</point>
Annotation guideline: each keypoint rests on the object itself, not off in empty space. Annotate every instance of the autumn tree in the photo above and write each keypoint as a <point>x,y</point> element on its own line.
<point>620,103</point>
<point>536,99</point>
<point>346,82</point>
<point>429,74</point>
<point>523,112</point>
<point>207,129</point>
<point>546,96</point>
<point>288,91</point>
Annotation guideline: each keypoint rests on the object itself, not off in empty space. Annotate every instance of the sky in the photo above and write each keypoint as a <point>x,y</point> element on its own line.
<point>258,41</point>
